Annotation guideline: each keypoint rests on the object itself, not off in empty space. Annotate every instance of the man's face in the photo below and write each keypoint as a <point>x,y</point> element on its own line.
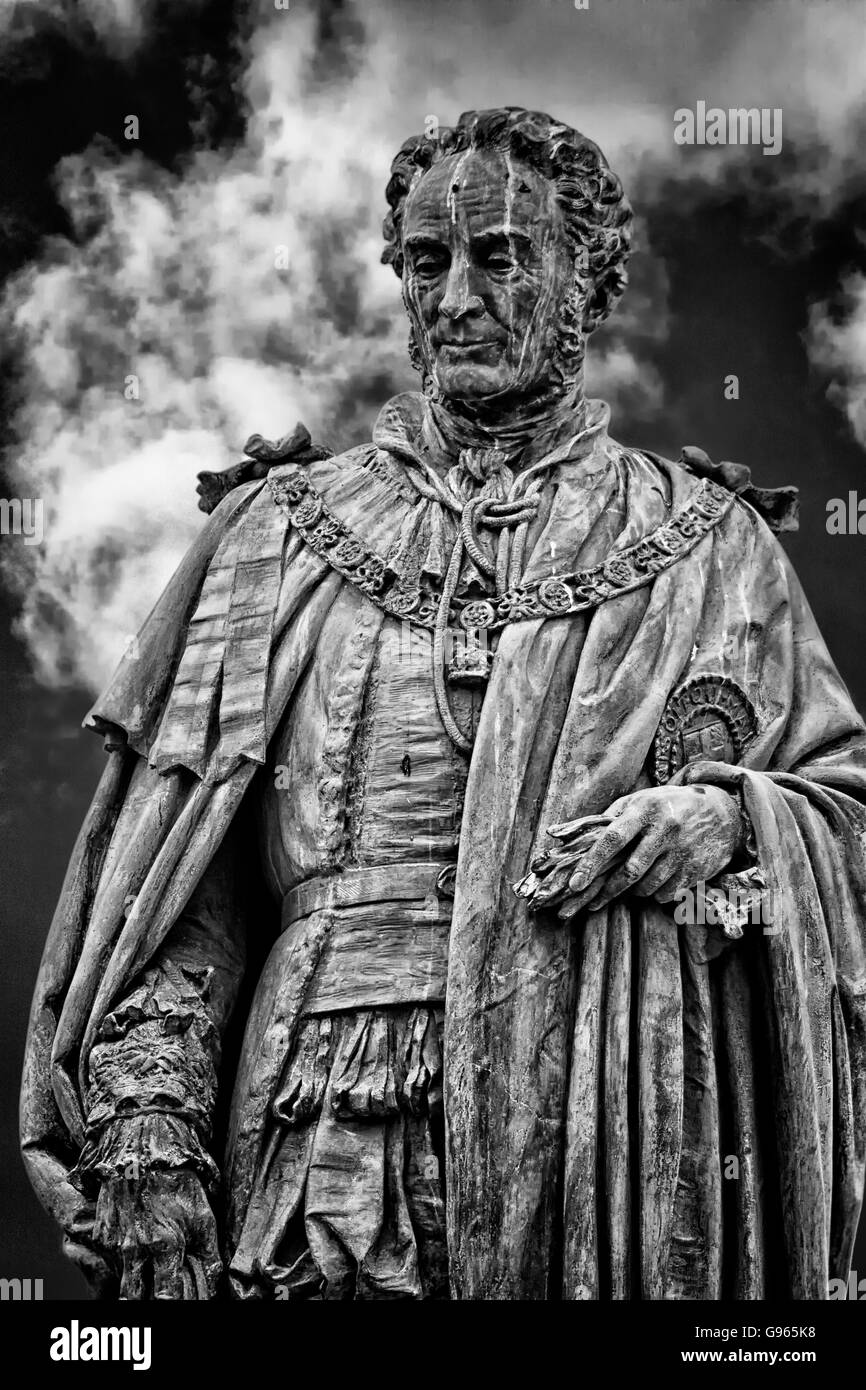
<point>486,267</point>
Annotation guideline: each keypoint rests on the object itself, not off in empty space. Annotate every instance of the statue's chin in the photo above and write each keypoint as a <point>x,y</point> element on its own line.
<point>473,382</point>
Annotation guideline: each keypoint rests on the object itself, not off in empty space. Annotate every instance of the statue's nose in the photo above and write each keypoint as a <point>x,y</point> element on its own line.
<point>458,300</point>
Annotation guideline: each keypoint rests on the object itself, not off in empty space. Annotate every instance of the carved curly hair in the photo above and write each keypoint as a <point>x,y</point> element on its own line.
<point>597,215</point>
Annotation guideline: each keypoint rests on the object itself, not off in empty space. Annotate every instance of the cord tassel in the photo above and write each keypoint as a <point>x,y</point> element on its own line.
<point>452,728</point>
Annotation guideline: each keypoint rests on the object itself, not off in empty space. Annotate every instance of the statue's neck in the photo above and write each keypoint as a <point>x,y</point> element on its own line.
<point>524,429</point>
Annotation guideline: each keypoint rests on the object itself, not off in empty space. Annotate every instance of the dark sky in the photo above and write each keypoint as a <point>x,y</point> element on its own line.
<point>745,256</point>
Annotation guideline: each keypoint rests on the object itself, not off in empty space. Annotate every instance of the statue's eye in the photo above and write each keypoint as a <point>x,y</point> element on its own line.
<point>429,264</point>
<point>499,262</point>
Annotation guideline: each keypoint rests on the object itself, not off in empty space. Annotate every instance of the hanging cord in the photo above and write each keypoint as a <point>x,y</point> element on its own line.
<point>510,517</point>
<point>518,545</point>
<point>497,516</point>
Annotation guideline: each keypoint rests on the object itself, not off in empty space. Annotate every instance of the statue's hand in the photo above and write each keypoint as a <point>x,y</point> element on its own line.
<point>652,843</point>
<point>161,1231</point>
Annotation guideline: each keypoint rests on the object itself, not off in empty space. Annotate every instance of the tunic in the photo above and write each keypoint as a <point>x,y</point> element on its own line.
<point>351,1200</point>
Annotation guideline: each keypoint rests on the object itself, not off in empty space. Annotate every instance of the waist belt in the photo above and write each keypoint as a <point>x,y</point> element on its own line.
<point>394,952</point>
<point>388,883</point>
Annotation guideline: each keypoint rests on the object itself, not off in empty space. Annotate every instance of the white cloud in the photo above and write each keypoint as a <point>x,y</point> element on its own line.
<point>837,346</point>
<point>121,25</point>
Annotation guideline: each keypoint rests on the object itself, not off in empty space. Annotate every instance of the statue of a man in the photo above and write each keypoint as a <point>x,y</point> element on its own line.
<point>558,801</point>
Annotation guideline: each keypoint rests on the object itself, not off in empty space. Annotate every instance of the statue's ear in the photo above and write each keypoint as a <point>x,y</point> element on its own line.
<point>598,306</point>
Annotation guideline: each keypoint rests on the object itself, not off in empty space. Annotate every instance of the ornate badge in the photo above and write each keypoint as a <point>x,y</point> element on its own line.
<point>478,613</point>
<point>555,596</point>
<point>708,719</point>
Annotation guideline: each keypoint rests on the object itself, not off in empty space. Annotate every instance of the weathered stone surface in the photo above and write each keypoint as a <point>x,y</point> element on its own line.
<point>419,770</point>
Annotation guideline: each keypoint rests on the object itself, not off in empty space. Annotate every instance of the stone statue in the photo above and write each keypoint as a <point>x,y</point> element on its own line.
<point>418,942</point>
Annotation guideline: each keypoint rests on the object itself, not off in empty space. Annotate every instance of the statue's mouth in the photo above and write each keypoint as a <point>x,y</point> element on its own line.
<point>467,344</point>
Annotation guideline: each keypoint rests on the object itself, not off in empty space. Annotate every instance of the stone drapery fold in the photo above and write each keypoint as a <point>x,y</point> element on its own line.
<point>580,1162</point>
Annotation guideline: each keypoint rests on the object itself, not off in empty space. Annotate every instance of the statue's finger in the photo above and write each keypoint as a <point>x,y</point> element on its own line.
<point>546,891</point>
<point>567,830</point>
<point>207,1254</point>
<point>168,1273</point>
<point>574,903</point>
<point>106,1224</point>
<point>132,1278</point>
<point>608,849</point>
<point>525,887</point>
<point>640,861</point>
<point>540,860</point>
<point>566,853</point>
<point>663,885</point>
<point>99,1273</point>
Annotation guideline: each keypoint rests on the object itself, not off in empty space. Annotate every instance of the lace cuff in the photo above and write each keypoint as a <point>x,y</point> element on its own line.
<point>131,1147</point>
<point>737,900</point>
<point>157,1053</point>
